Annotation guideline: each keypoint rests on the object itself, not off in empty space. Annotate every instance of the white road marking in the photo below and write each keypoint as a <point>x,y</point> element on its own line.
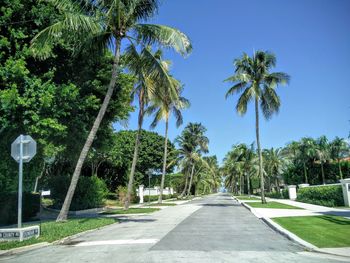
<point>117,242</point>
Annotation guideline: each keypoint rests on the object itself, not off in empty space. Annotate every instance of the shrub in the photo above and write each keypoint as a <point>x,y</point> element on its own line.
<point>9,210</point>
<point>89,193</point>
<point>330,195</point>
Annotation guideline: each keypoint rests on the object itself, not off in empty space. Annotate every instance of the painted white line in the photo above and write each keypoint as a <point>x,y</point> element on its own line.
<point>117,242</point>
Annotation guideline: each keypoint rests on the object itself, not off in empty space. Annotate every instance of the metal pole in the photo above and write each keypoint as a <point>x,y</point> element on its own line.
<point>149,190</point>
<point>20,176</point>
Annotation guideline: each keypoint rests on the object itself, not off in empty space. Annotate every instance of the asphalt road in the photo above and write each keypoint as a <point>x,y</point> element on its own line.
<point>212,229</point>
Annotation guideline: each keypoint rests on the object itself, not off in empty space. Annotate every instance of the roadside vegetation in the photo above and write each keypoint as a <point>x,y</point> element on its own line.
<point>52,231</point>
<point>321,231</point>
<point>274,205</point>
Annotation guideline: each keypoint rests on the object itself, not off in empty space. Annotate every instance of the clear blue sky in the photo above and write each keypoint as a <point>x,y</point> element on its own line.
<point>311,39</point>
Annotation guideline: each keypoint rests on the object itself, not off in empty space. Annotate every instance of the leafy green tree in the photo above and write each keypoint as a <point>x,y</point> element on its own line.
<point>254,81</point>
<point>53,100</point>
<point>150,157</point>
<point>275,164</point>
<point>162,106</point>
<point>99,26</point>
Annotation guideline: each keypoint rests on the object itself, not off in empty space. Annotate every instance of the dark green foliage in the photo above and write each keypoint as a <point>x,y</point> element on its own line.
<point>89,193</point>
<point>150,156</point>
<point>9,211</point>
<point>151,198</point>
<point>294,173</point>
<point>330,195</point>
<point>282,195</point>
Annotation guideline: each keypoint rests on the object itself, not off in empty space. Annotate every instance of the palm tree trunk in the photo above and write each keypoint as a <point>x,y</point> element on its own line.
<point>322,171</point>
<point>136,150</point>
<point>191,178</point>
<point>185,188</point>
<point>277,185</point>
<point>164,160</point>
<point>248,184</point>
<point>340,172</point>
<point>39,177</point>
<point>62,216</point>
<point>305,173</point>
<point>263,200</point>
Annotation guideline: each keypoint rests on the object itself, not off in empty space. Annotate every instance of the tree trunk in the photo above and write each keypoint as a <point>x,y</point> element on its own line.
<point>136,150</point>
<point>263,200</point>
<point>277,185</point>
<point>185,188</point>
<point>191,178</point>
<point>164,160</point>
<point>70,193</point>
<point>39,177</point>
<point>248,184</point>
<point>322,171</point>
<point>305,174</point>
<point>340,172</point>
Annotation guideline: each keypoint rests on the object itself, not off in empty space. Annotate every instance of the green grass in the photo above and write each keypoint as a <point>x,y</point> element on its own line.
<point>163,204</point>
<point>130,211</point>
<point>321,231</point>
<point>272,204</point>
<point>52,231</point>
<point>246,197</point>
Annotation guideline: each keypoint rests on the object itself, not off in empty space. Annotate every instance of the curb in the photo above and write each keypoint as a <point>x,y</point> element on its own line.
<point>284,232</point>
<point>28,248</point>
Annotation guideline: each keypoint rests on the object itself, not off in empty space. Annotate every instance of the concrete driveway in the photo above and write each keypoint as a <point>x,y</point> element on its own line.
<point>212,229</point>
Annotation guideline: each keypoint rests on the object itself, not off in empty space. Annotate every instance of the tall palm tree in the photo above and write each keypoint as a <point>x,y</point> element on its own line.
<point>306,152</point>
<point>339,149</point>
<point>163,105</point>
<point>145,66</point>
<point>253,79</point>
<point>322,154</point>
<point>276,163</point>
<point>101,25</point>
<point>192,143</point>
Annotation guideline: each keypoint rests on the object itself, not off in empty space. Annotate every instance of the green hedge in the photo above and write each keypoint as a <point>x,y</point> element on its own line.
<point>330,195</point>
<point>152,198</point>
<point>283,195</point>
<point>89,193</point>
<point>9,204</point>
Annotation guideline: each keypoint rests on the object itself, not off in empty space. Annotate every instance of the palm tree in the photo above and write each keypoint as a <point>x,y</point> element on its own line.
<point>322,154</point>
<point>276,163</point>
<point>163,105</point>
<point>306,152</point>
<point>253,79</point>
<point>192,143</point>
<point>145,66</point>
<point>339,149</point>
<point>101,25</point>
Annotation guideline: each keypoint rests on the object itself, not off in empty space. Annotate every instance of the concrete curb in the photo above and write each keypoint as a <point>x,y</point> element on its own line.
<point>279,229</point>
<point>19,250</point>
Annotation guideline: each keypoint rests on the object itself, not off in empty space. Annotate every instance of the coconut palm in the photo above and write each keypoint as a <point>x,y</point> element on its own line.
<point>322,154</point>
<point>145,66</point>
<point>163,104</point>
<point>192,142</point>
<point>339,149</point>
<point>254,81</point>
<point>275,163</point>
<point>100,26</point>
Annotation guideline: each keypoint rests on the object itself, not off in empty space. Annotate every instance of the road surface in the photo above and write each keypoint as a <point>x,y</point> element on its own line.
<point>211,229</point>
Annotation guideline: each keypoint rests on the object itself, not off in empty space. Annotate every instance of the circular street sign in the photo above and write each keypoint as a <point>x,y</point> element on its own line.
<point>29,148</point>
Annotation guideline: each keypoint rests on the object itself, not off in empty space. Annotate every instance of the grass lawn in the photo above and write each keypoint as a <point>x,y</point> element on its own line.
<point>246,197</point>
<point>272,204</point>
<point>163,204</point>
<point>130,211</point>
<point>52,231</point>
<point>321,231</point>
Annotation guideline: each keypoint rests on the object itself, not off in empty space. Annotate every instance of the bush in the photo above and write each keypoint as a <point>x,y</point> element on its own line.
<point>283,195</point>
<point>9,207</point>
<point>89,193</point>
<point>330,195</point>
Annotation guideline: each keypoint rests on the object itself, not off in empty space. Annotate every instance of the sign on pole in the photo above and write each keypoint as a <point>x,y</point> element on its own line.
<point>23,149</point>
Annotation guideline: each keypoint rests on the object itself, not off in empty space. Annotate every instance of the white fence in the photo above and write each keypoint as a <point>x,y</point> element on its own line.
<point>141,192</point>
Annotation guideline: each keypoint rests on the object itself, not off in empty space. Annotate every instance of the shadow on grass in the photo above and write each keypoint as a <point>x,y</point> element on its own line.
<point>343,221</point>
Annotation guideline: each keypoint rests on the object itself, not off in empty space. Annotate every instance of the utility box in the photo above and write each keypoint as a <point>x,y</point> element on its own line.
<point>345,184</point>
<point>292,192</point>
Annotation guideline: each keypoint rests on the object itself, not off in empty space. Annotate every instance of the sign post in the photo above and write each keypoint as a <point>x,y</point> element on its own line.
<point>23,149</point>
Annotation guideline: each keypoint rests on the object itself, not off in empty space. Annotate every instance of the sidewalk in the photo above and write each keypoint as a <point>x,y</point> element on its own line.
<point>307,210</point>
